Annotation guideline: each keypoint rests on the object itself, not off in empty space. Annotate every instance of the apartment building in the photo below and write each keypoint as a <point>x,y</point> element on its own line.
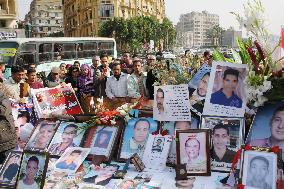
<point>8,13</point>
<point>229,37</point>
<point>83,17</point>
<point>197,23</point>
<point>45,17</point>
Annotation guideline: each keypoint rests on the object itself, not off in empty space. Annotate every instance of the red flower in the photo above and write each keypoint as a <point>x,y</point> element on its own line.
<point>260,51</point>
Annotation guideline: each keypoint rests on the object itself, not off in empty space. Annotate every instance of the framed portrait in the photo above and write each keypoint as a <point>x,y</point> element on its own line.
<point>10,169</point>
<point>101,140</point>
<point>67,135</point>
<point>135,136</point>
<point>84,185</point>
<point>71,159</point>
<point>226,139</point>
<point>42,135</point>
<point>171,103</point>
<point>259,169</point>
<point>156,152</point>
<point>193,150</point>
<point>268,126</point>
<point>32,171</point>
<point>226,90</point>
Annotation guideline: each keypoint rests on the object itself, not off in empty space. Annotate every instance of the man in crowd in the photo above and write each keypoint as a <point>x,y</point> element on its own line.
<point>95,65</point>
<point>136,83</point>
<point>32,80</point>
<point>32,66</point>
<point>77,64</point>
<point>105,73</point>
<point>53,79</point>
<point>221,138</point>
<point>68,135</point>
<point>116,86</point>
<point>151,77</point>
<point>226,95</point>
<point>127,64</point>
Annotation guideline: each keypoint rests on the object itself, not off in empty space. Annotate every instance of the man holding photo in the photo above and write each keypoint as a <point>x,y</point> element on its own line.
<point>221,138</point>
<point>226,95</point>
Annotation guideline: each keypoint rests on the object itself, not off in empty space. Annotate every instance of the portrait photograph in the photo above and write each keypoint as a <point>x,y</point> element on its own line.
<point>67,135</point>
<point>226,139</point>
<point>71,159</point>
<point>101,140</point>
<point>171,103</point>
<point>32,171</point>
<point>193,150</point>
<point>268,126</point>
<point>53,177</point>
<point>135,136</point>
<point>10,169</point>
<point>42,135</point>
<point>226,90</point>
<point>158,144</point>
<point>259,169</point>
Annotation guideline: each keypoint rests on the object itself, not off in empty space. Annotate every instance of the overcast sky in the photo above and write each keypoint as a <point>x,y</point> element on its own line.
<point>174,8</point>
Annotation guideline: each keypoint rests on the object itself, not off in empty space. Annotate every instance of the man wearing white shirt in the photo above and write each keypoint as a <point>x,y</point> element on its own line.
<point>116,85</point>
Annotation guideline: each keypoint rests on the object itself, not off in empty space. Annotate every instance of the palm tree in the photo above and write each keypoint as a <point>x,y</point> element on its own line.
<point>215,34</point>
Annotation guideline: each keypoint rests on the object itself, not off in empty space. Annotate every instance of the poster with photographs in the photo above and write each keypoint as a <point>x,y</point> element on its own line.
<point>135,137</point>
<point>156,152</point>
<point>226,137</point>
<point>32,171</point>
<point>58,100</point>
<point>171,103</point>
<point>259,169</point>
<point>25,121</point>
<point>10,169</point>
<point>101,140</point>
<point>226,90</point>
<point>193,150</point>
<point>198,88</point>
<point>67,135</point>
<point>71,159</point>
<point>268,126</point>
<point>42,135</point>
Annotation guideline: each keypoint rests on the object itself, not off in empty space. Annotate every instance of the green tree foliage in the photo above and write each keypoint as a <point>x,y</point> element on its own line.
<point>215,34</point>
<point>133,33</point>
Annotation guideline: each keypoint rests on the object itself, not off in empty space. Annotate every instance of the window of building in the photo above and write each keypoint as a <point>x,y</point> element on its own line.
<point>56,14</point>
<point>48,21</point>
<point>106,10</point>
<point>49,28</point>
<point>40,28</point>
<point>2,23</point>
<point>57,21</point>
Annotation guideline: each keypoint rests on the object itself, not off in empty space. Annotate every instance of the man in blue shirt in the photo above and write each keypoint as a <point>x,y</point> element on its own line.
<point>226,96</point>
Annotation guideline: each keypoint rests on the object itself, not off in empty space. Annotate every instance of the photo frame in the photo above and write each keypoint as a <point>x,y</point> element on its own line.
<point>193,149</point>
<point>42,135</point>
<point>227,136</point>
<point>259,168</point>
<point>101,140</point>
<point>10,169</point>
<point>67,135</point>
<point>131,141</point>
<point>265,126</point>
<point>35,163</point>
<point>226,90</point>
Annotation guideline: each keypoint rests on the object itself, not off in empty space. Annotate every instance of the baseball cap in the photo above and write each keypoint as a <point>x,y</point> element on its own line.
<point>55,70</point>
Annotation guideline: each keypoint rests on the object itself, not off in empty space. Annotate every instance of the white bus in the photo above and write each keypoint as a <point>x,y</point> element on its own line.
<point>49,52</point>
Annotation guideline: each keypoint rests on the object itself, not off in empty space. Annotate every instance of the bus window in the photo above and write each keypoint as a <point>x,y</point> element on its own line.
<point>80,53</point>
<point>45,52</point>
<point>58,51</point>
<point>69,51</point>
<point>89,49</point>
<point>8,51</point>
<point>27,55</point>
<point>106,47</point>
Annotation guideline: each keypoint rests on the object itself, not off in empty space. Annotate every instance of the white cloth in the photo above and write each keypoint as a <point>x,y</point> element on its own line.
<point>13,88</point>
<point>116,88</point>
<point>133,86</point>
<point>22,185</point>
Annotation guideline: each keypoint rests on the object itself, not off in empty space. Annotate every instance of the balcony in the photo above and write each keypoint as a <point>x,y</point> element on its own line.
<point>3,12</point>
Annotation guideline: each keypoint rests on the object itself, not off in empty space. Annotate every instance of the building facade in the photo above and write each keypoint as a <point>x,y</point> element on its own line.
<point>229,37</point>
<point>82,18</point>
<point>45,18</point>
<point>197,23</point>
<point>8,14</point>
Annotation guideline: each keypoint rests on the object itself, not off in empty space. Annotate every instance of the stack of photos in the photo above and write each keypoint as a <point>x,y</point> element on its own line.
<point>227,137</point>
<point>135,137</point>
<point>193,150</point>
<point>267,129</point>
<point>226,90</point>
<point>67,135</point>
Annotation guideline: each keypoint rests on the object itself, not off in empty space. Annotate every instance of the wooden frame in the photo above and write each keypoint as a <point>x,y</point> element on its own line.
<point>127,135</point>
<point>40,179</point>
<point>198,141</point>
<point>105,149</point>
<point>10,166</point>
<point>259,157</point>
<point>229,134</point>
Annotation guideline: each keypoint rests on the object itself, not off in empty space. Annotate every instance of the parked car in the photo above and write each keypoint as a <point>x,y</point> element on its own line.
<point>168,55</point>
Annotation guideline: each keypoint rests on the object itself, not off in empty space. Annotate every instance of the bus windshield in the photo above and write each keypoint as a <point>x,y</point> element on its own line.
<point>8,52</point>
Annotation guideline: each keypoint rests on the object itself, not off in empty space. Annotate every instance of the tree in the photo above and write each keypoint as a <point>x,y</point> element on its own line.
<point>215,34</point>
